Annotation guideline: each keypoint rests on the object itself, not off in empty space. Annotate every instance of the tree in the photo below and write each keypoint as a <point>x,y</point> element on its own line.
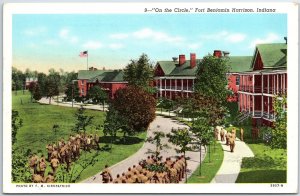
<point>139,72</point>
<point>97,95</point>
<point>52,86</point>
<point>135,106</point>
<point>211,78</point>
<point>72,91</point>
<point>181,138</point>
<point>18,79</point>
<point>279,131</point>
<point>167,104</point>
<point>158,135</point>
<point>31,88</point>
<point>37,95</point>
<point>203,135</point>
<point>82,120</point>
<point>16,124</point>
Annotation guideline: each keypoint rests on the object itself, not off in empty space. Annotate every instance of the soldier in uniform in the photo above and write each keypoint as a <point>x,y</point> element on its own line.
<point>149,161</point>
<point>144,179</point>
<point>55,154</point>
<point>54,165</point>
<point>129,172</point>
<point>173,174</point>
<point>129,179</point>
<point>216,133</point>
<point>222,133</point>
<point>49,178</point>
<point>42,166</point>
<point>36,178</point>
<point>227,136</point>
<point>242,134</point>
<point>68,158</point>
<point>123,177</point>
<point>106,175</point>
<point>33,162</point>
<point>49,148</point>
<point>118,179</point>
<point>135,177</point>
<point>139,167</point>
<point>231,143</point>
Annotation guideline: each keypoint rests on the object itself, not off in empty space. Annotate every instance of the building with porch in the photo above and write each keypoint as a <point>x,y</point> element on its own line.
<point>176,78</point>
<point>109,80</point>
<point>266,80</point>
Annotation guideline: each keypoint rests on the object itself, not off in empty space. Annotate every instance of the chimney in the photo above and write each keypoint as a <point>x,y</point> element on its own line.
<point>192,60</point>
<point>92,69</point>
<point>175,59</point>
<point>217,53</point>
<point>226,53</point>
<point>181,59</point>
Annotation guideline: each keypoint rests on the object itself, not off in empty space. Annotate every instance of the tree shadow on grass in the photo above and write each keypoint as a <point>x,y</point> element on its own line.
<point>129,140</point>
<point>262,176</point>
<point>260,162</point>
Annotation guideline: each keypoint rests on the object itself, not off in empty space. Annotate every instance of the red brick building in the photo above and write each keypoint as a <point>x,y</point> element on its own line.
<point>267,79</point>
<point>108,80</point>
<point>176,78</point>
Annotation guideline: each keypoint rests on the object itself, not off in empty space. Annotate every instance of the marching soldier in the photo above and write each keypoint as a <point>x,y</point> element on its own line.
<point>106,175</point>
<point>222,133</point>
<point>36,178</point>
<point>242,134</point>
<point>33,162</point>
<point>49,178</point>
<point>231,143</point>
<point>49,148</point>
<point>118,179</point>
<point>54,165</point>
<point>173,174</point>
<point>216,134</point>
<point>227,136</point>
<point>42,166</point>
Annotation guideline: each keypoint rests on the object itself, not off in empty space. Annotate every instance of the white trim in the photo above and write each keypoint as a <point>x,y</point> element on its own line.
<point>175,77</point>
<point>253,105</point>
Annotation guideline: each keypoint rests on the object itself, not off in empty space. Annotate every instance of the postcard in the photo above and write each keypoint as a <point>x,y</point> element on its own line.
<point>150,97</point>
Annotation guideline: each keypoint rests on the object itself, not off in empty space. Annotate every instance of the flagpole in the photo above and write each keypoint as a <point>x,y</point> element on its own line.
<point>87,60</point>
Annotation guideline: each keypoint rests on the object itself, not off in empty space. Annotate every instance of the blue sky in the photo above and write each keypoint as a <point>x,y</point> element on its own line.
<point>41,42</point>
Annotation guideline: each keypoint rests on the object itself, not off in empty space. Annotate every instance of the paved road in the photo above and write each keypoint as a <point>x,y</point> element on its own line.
<point>159,124</point>
<point>231,164</point>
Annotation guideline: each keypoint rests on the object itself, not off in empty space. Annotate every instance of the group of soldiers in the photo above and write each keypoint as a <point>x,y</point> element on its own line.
<point>64,152</point>
<point>228,137</point>
<point>173,172</point>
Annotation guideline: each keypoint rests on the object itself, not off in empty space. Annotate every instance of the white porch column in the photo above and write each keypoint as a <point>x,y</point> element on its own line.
<point>281,83</point>
<point>268,89</point>
<point>193,84</point>
<point>284,81</point>
<point>274,89</point>
<point>277,81</point>
<point>268,106</point>
<point>181,84</point>
<point>253,77</point>
<point>253,105</point>
<point>165,87</point>
<point>175,84</point>
<point>160,87</point>
<point>187,84</point>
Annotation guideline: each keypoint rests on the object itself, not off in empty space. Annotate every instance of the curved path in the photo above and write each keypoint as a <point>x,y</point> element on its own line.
<point>159,124</point>
<point>231,164</point>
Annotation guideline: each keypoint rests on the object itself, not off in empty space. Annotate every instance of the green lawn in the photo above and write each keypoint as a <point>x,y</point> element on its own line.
<point>209,169</point>
<point>268,165</point>
<point>36,132</point>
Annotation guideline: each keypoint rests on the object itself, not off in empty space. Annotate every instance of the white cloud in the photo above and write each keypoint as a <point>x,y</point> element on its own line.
<point>92,45</point>
<point>51,42</point>
<point>148,33</point>
<point>271,37</point>
<point>65,34</point>
<point>119,36</point>
<point>115,46</point>
<point>35,31</point>
<point>194,46</point>
<point>225,36</point>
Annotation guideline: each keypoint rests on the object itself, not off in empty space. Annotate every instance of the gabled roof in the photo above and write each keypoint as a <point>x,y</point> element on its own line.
<point>172,68</point>
<point>272,55</point>
<point>240,63</point>
<point>101,75</point>
<point>87,74</point>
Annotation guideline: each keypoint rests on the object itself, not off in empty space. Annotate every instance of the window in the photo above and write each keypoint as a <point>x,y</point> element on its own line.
<point>82,92</point>
<point>82,82</point>
<point>237,80</point>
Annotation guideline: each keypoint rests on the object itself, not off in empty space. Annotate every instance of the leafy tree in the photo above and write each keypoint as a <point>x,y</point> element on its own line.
<point>139,72</point>
<point>37,95</point>
<point>203,134</point>
<point>82,120</point>
<point>211,78</point>
<point>18,79</point>
<point>167,104</point>
<point>279,131</point>
<point>135,106</point>
<point>20,172</point>
<point>42,82</point>
<point>158,135</point>
<point>52,85</point>
<point>16,124</point>
<point>31,88</point>
<point>72,90</point>
<point>97,95</point>
<point>181,138</point>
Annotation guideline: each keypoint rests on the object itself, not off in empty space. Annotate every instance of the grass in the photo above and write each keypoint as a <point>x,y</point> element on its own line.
<point>267,166</point>
<point>36,132</point>
<point>209,169</point>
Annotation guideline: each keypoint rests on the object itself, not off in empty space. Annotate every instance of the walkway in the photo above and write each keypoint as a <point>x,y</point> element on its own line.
<point>159,124</point>
<point>231,165</point>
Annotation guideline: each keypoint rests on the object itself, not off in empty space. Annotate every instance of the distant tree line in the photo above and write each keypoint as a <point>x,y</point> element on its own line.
<point>45,85</point>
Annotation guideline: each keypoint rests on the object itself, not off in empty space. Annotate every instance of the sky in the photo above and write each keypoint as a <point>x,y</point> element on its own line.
<point>41,41</point>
